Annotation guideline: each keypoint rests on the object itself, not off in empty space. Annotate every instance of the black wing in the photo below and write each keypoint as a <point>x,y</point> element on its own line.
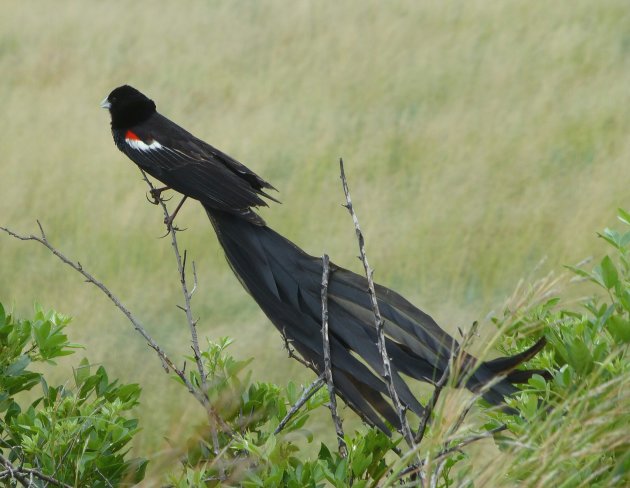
<point>194,168</point>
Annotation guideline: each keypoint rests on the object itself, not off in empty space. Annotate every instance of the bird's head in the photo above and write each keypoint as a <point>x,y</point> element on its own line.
<point>128,106</point>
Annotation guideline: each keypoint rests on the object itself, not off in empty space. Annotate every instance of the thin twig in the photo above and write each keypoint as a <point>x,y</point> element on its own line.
<point>343,450</point>
<point>428,411</point>
<point>436,474</point>
<point>452,366</point>
<point>192,323</point>
<point>458,447</point>
<point>470,404</point>
<point>306,395</point>
<point>387,369</point>
<point>167,363</point>
<point>291,353</point>
<point>469,440</point>
<point>181,267</point>
<point>23,474</point>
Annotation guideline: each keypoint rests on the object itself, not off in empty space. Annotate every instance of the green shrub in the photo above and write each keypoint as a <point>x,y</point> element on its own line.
<point>76,434</point>
<point>573,430</point>
<point>569,431</point>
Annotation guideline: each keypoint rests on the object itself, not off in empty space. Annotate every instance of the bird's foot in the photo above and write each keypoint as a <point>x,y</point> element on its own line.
<point>168,221</point>
<point>156,195</point>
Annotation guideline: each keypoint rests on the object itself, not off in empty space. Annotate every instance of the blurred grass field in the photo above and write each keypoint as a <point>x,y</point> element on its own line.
<point>478,137</point>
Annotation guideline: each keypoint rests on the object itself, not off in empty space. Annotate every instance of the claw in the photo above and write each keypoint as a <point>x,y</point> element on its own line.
<point>170,227</point>
<point>168,221</point>
<point>156,195</point>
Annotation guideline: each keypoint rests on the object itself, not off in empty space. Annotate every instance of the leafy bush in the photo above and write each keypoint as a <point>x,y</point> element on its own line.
<point>570,431</point>
<point>573,430</point>
<point>78,435</point>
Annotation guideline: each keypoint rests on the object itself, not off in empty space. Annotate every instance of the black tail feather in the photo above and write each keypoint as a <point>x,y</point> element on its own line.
<point>286,284</point>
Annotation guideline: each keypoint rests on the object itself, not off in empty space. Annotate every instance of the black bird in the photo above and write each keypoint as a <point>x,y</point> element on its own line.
<point>180,160</point>
<point>286,282</point>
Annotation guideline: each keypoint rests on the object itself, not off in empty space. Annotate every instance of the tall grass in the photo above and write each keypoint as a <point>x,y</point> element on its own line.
<point>478,137</point>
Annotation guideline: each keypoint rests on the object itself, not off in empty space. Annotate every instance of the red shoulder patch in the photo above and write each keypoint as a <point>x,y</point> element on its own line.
<point>131,136</point>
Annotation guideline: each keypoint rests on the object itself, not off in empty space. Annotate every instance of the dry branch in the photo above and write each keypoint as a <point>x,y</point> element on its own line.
<point>452,368</point>
<point>25,476</point>
<point>167,363</point>
<point>343,450</point>
<point>387,368</point>
<point>306,395</point>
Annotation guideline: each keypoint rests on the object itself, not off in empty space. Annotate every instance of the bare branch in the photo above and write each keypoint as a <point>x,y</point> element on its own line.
<point>291,352</point>
<point>306,395</point>
<point>181,266</point>
<point>469,440</point>
<point>192,323</point>
<point>436,474</point>
<point>195,282</point>
<point>453,363</point>
<point>387,369</point>
<point>470,404</point>
<point>25,475</point>
<point>167,363</point>
<point>343,450</point>
<point>432,403</point>
<point>458,447</point>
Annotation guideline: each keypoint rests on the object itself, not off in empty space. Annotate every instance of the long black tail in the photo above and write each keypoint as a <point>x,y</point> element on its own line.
<point>286,284</point>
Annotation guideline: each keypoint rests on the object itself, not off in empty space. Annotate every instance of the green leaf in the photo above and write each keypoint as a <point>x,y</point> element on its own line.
<point>623,216</point>
<point>360,463</point>
<point>612,237</point>
<point>82,372</point>
<point>581,272</point>
<point>609,273</point>
<point>324,453</point>
<point>538,382</point>
<point>619,328</point>
<point>19,365</point>
<point>529,406</point>
<point>292,395</point>
<point>340,472</point>
<point>580,358</point>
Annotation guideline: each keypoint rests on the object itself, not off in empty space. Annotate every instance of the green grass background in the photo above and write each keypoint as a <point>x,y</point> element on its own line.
<point>479,138</point>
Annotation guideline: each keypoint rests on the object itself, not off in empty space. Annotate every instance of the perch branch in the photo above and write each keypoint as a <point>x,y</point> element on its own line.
<point>167,363</point>
<point>306,395</point>
<point>291,352</point>
<point>181,267</point>
<point>192,323</point>
<point>343,450</point>
<point>387,369</point>
<point>448,451</point>
<point>451,367</point>
<point>25,475</point>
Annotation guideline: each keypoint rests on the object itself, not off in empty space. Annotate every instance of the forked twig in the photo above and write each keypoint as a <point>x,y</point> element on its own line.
<point>167,363</point>
<point>387,368</point>
<point>458,447</point>
<point>192,323</point>
<point>306,395</point>
<point>453,367</point>
<point>25,475</point>
<point>343,450</point>
<point>428,411</point>
<point>293,355</point>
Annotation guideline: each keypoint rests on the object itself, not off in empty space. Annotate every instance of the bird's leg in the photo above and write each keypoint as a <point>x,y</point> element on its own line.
<point>169,220</point>
<point>156,194</point>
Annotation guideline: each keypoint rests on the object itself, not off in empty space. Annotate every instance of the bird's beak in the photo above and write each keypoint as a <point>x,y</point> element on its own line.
<point>105,103</point>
